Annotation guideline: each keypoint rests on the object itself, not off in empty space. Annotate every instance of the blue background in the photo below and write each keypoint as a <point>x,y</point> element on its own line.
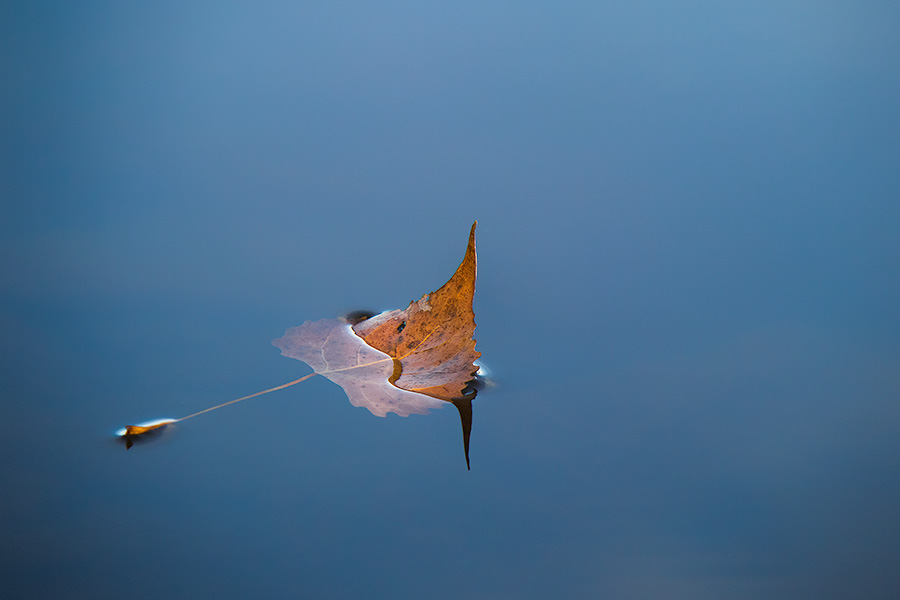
<point>689,280</point>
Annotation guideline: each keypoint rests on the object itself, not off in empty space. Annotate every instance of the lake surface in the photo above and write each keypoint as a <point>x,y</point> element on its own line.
<point>688,291</point>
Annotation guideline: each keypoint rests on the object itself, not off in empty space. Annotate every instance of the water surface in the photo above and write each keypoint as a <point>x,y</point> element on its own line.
<point>688,290</point>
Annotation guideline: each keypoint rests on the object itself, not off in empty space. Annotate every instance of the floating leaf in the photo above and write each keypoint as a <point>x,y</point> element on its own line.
<point>432,338</point>
<point>401,361</point>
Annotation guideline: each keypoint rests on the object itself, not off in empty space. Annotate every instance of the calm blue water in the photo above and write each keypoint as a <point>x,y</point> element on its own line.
<point>688,290</point>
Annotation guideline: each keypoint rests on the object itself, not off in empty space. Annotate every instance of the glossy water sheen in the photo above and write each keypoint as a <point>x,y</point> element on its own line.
<point>688,290</point>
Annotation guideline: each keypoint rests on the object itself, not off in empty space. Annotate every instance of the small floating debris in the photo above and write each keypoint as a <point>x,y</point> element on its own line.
<point>131,432</point>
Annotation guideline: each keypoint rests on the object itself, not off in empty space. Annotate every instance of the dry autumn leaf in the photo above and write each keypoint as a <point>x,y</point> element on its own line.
<point>432,339</point>
<point>401,361</point>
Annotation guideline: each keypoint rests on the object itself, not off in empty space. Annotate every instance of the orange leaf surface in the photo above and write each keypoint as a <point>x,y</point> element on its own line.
<point>401,361</point>
<point>432,339</point>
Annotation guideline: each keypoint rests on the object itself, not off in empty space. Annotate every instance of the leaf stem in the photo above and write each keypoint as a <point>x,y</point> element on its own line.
<point>274,389</point>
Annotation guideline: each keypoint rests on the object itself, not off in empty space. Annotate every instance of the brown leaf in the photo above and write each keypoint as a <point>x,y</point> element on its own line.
<point>401,361</point>
<point>432,338</point>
